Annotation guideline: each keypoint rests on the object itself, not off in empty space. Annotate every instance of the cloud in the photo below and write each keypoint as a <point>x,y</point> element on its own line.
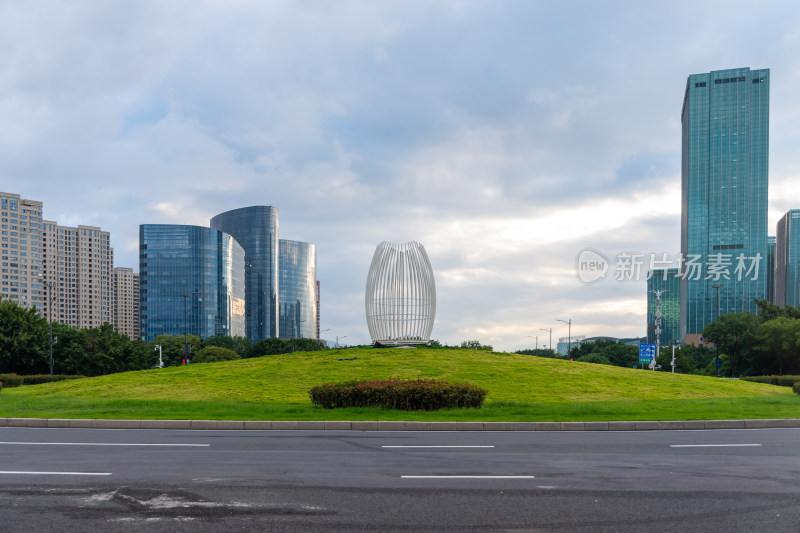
<point>504,137</point>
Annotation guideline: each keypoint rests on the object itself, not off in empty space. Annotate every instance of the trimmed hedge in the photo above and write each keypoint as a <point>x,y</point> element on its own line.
<point>401,394</point>
<point>15,380</point>
<point>796,387</point>
<point>783,381</point>
<point>38,379</point>
<point>11,380</point>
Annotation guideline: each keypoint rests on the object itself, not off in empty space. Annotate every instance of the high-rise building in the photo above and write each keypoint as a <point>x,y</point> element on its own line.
<point>21,251</point>
<point>256,230</point>
<point>125,303</point>
<point>725,153</point>
<point>77,265</point>
<point>771,241</point>
<point>191,281</point>
<point>667,280</point>
<point>787,260</point>
<point>297,297</point>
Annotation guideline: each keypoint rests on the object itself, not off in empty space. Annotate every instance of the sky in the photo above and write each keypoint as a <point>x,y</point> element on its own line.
<point>505,136</point>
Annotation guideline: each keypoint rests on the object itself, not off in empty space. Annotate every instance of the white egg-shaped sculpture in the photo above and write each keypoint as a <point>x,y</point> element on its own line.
<point>401,294</point>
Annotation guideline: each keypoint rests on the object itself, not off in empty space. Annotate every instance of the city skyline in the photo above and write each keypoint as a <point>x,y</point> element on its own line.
<point>507,137</point>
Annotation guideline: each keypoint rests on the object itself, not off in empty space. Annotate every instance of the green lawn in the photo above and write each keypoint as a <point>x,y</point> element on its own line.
<point>521,388</point>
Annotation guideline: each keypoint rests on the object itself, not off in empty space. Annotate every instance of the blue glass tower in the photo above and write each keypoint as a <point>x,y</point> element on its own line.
<point>771,242</point>
<point>725,153</point>
<point>191,281</point>
<point>787,260</point>
<point>298,289</point>
<point>256,229</point>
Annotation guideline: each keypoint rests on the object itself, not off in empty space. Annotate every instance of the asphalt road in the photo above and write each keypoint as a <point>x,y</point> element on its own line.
<point>170,480</point>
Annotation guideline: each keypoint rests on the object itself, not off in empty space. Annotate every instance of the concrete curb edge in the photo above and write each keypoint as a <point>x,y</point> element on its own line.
<point>398,425</point>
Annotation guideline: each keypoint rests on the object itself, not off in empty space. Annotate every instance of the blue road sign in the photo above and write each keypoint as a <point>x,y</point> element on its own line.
<point>647,353</point>
<point>717,362</point>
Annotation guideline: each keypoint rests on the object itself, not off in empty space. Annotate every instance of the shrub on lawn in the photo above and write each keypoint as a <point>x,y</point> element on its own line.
<point>796,387</point>
<point>38,379</point>
<point>783,381</point>
<point>405,395</point>
<point>11,380</point>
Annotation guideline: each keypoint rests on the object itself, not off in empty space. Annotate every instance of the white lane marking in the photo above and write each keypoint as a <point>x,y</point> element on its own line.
<point>56,473</point>
<point>100,444</point>
<point>454,446</point>
<point>710,445</point>
<point>467,477</point>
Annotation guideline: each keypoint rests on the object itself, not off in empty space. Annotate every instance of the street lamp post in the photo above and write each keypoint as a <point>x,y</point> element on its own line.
<point>50,286</point>
<point>337,339</point>
<point>537,340</point>
<point>319,339</point>
<point>568,322</point>
<point>716,287</point>
<point>160,360</point>
<point>550,330</point>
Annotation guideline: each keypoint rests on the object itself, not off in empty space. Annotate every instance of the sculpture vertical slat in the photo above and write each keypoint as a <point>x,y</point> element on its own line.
<point>400,297</point>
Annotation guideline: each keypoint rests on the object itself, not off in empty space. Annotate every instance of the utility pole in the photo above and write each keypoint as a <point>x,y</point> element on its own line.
<point>160,360</point>
<point>50,286</point>
<point>569,334</point>
<point>551,336</point>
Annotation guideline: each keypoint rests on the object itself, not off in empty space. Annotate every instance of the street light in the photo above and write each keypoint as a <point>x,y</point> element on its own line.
<point>186,325</point>
<point>160,361</point>
<point>550,330</point>
<point>568,322</point>
<point>50,286</point>
<point>337,339</point>
<point>537,340</point>
<point>319,338</point>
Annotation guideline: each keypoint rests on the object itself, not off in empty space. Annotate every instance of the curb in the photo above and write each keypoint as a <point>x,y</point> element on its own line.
<point>392,425</point>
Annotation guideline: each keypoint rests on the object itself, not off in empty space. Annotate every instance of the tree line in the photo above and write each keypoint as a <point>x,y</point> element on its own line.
<point>24,347</point>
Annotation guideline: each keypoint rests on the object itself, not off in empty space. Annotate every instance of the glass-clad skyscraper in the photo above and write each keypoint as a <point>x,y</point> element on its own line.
<point>668,280</point>
<point>725,153</point>
<point>191,281</point>
<point>256,229</point>
<point>298,290</point>
<point>771,241</point>
<point>787,260</point>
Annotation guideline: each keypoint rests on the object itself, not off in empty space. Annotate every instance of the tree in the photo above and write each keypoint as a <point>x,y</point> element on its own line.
<point>23,340</point>
<point>780,337</point>
<point>213,354</point>
<point>539,352</point>
<point>476,345</point>
<point>172,348</point>
<point>240,345</point>
<point>594,358</point>
<point>735,335</point>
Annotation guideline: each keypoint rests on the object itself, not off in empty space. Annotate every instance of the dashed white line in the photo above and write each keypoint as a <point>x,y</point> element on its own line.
<point>10,472</point>
<point>467,477</point>
<point>710,445</point>
<point>454,446</point>
<point>103,444</point>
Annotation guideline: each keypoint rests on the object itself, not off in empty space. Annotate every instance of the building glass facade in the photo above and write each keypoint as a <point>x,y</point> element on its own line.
<point>256,230</point>
<point>191,281</point>
<point>787,260</point>
<point>771,241</point>
<point>298,290</point>
<point>668,280</point>
<point>725,153</point>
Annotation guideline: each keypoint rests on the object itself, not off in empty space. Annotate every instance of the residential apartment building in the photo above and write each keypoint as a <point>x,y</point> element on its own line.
<point>77,265</point>
<point>21,250</point>
<point>724,174</point>
<point>125,302</point>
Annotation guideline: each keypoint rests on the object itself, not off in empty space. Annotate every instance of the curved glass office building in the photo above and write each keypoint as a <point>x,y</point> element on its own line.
<point>256,229</point>
<point>191,281</point>
<point>298,290</point>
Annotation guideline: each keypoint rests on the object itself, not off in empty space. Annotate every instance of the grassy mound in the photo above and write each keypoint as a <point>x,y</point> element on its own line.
<point>520,387</point>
